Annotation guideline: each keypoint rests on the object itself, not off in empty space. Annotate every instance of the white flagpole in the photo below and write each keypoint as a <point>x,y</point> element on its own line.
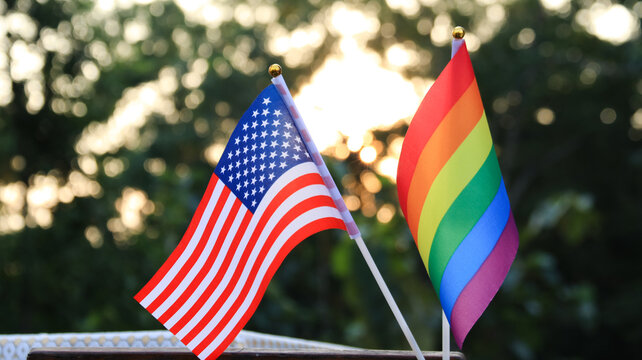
<point>458,41</point>
<point>351,226</point>
<point>445,337</point>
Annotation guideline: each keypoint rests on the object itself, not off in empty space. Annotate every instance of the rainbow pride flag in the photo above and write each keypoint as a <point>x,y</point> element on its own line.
<point>453,196</point>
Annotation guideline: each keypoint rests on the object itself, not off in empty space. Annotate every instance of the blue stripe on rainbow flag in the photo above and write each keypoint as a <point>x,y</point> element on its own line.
<point>474,249</point>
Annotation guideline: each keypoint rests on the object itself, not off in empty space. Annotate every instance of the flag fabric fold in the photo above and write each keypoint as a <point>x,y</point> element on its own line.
<point>453,196</point>
<point>266,195</point>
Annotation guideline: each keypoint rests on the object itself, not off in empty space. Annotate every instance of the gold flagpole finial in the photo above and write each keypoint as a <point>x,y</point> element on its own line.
<point>275,70</point>
<point>459,32</point>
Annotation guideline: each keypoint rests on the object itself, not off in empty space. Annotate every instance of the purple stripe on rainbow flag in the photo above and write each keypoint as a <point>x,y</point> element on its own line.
<point>481,289</point>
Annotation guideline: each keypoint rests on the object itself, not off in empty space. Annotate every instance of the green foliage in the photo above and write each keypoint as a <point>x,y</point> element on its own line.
<point>564,110</point>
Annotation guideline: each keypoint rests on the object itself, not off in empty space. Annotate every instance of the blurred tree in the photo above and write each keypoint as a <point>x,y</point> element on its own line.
<point>113,114</point>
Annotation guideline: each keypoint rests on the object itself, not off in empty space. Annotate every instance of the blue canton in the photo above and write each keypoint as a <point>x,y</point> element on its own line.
<point>264,145</point>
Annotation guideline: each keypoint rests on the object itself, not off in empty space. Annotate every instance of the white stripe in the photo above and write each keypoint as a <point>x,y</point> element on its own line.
<point>274,218</point>
<point>188,249</point>
<point>220,220</point>
<point>211,274</point>
<point>298,223</point>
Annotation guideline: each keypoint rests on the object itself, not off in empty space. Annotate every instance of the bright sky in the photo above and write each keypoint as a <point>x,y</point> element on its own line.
<point>352,93</point>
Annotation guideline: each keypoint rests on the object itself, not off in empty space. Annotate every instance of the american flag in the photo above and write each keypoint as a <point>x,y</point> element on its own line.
<point>266,195</point>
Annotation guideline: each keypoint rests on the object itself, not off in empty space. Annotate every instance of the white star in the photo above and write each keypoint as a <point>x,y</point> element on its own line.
<point>254,147</point>
<point>274,144</point>
<point>246,195</point>
<point>284,154</point>
<point>223,170</point>
<point>253,192</point>
<point>238,163</point>
<point>273,154</point>
<point>297,147</point>
<point>272,165</point>
<point>261,168</point>
<point>245,137</point>
<point>288,125</point>
<point>277,112</point>
<point>287,135</point>
<point>253,169</point>
<point>276,122</point>
<point>254,135</point>
<point>262,177</point>
<point>271,176</point>
<point>263,134</point>
<point>246,183</point>
<point>297,139</point>
<point>286,144</point>
<point>266,101</point>
<point>283,165</point>
<point>255,123</point>
<point>245,161</point>
<point>238,187</point>
<point>231,178</point>
<point>275,133</point>
<point>253,203</point>
<point>229,155</point>
<point>263,145</point>
<point>245,172</point>
<point>266,112</point>
<point>237,141</point>
<point>253,158</point>
<point>255,113</point>
<point>253,181</point>
<point>230,166</point>
<point>262,156</point>
<point>245,126</point>
<point>261,189</point>
<point>296,157</point>
<point>265,123</point>
<point>245,149</point>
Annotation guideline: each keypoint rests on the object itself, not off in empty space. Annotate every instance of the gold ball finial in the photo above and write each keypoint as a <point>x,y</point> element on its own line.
<point>275,70</point>
<point>459,32</point>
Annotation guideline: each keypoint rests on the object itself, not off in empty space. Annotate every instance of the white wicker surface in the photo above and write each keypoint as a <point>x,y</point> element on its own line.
<point>16,347</point>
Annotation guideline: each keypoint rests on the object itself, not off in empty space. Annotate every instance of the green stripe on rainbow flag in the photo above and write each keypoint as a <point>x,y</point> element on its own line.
<point>462,215</point>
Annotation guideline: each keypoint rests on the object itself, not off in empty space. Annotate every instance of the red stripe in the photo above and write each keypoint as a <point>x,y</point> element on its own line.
<point>206,266</point>
<point>292,187</point>
<point>160,274</point>
<point>217,279</point>
<point>194,255</point>
<point>289,189</point>
<point>300,235</point>
<point>296,211</point>
<point>450,85</point>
